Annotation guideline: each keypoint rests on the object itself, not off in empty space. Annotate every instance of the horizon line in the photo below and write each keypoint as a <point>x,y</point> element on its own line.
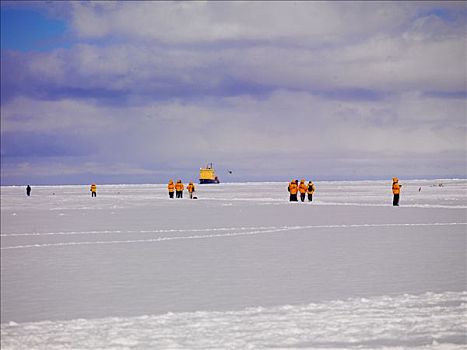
<point>237,182</point>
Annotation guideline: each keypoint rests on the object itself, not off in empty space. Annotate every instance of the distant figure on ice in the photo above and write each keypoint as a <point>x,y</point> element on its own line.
<point>171,188</point>
<point>293,189</point>
<point>93,190</point>
<point>396,190</point>
<point>310,190</point>
<point>302,188</point>
<point>191,188</point>
<point>179,187</point>
<point>28,190</point>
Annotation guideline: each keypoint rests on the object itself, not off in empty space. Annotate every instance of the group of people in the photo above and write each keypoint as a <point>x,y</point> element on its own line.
<point>294,189</point>
<point>178,189</point>
<point>302,188</point>
<point>310,188</point>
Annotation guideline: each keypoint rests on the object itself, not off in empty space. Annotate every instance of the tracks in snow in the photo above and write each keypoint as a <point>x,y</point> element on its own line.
<point>222,232</point>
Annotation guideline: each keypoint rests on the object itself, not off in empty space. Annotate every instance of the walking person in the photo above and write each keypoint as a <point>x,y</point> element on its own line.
<point>310,190</point>
<point>179,187</point>
<point>293,189</point>
<point>28,190</point>
<point>302,188</point>
<point>396,190</point>
<point>93,190</point>
<point>191,189</point>
<point>171,188</point>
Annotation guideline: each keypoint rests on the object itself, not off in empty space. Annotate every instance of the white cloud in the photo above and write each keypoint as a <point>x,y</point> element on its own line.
<point>210,21</point>
<point>279,124</point>
<point>381,64</point>
<point>281,136</point>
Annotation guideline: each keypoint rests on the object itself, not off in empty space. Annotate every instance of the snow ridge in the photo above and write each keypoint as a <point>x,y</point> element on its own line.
<point>416,322</point>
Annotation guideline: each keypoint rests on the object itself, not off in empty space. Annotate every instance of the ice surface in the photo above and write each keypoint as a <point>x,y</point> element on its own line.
<point>239,268</point>
<point>426,321</point>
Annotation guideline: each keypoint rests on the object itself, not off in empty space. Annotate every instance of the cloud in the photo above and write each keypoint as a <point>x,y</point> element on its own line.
<point>45,144</point>
<point>188,22</point>
<point>335,89</point>
<point>379,66</point>
<point>284,125</point>
<point>306,24</point>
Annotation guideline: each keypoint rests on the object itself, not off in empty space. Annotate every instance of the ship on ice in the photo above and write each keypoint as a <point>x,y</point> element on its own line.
<point>207,175</point>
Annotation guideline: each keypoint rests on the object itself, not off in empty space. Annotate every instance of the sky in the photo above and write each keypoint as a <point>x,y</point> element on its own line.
<point>144,92</point>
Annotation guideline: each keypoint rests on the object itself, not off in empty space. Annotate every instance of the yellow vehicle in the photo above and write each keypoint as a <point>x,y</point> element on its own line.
<point>208,175</point>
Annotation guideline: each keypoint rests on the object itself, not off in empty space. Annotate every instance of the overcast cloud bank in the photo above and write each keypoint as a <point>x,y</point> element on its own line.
<point>145,91</point>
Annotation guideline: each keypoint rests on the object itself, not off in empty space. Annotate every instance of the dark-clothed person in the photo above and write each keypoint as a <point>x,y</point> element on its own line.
<point>310,190</point>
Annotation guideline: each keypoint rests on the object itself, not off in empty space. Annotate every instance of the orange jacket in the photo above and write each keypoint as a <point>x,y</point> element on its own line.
<point>396,188</point>
<point>179,186</point>
<point>93,188</point>
<point>190,188</point>
<point>302,187</point>
<point>171,186</point>
<point>293,188</point>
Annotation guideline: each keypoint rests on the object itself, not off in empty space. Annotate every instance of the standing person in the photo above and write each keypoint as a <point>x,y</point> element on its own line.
<point>396,190</point>
<point>302,189</point>
<point>93,190</point>
<point>293,189</point>
<point>28,190</point>
<point>310,190</point>
<point>179,189</point>
<point>171,188</point>
<point>191,189</point>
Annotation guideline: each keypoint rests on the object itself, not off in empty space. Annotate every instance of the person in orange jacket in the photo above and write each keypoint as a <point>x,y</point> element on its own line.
<point>293,189</point>
<point>179,187</point>
<point>310,190</point>
<point>302,188</point>
<point>191,188</point>
<point>396,190</point>
<point>171,188</point>
<point>93,190</point>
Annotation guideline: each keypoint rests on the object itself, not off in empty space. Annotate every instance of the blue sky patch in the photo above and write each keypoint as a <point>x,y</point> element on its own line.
<point>28,30</point>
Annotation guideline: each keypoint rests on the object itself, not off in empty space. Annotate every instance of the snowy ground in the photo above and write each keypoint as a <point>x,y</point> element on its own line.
<point>239,268</point>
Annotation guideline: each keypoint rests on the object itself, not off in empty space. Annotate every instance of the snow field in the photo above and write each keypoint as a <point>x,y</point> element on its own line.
<point>239,268</point>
